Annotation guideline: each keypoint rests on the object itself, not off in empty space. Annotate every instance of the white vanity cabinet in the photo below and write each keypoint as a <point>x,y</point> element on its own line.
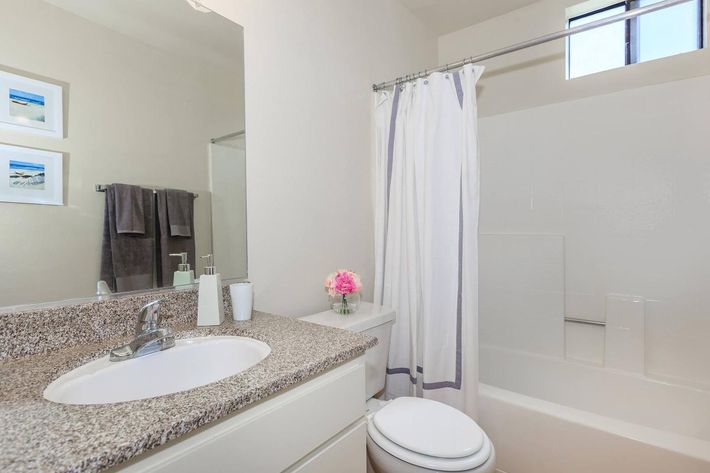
<point>315,427</point>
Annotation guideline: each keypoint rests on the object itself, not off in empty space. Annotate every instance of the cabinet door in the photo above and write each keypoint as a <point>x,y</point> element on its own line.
<point>344,454</point>
<point>272,435</point>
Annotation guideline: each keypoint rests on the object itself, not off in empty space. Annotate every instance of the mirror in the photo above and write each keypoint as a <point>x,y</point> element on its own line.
<point>121,141</point>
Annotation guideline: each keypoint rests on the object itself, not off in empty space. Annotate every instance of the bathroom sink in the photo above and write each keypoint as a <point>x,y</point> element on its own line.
<point>193,362</point>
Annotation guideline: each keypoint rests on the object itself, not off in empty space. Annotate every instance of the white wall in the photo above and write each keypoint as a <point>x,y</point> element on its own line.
<point>617,164</point>
<point>135,115</point>
<point>309,65</point>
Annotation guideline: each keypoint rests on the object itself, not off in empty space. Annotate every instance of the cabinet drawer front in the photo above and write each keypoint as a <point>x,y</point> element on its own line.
<point>345,454</point>
<point>272,435</point>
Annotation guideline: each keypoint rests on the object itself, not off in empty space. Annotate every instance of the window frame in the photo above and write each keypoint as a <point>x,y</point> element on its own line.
<point>631,29</point>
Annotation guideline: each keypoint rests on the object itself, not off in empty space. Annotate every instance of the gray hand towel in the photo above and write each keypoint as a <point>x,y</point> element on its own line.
<point>167,243</point>
<point>128,259</point>
<point>130,216</point>
<point>179,212</point>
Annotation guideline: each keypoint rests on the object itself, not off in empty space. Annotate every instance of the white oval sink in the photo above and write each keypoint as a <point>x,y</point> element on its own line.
<point>191,363</point>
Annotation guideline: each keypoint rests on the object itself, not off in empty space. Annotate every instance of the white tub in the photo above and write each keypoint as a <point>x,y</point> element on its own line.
<point>549,415</point>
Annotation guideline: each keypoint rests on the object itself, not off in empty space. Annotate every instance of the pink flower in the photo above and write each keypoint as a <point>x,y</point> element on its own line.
<point>343,282</point>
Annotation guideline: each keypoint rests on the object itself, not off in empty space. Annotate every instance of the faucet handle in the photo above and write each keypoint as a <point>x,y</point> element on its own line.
<point>148,317</point>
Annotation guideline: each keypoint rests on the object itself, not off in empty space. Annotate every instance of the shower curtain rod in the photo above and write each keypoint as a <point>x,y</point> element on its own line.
<point>534,42</point>
<point>226,137</point>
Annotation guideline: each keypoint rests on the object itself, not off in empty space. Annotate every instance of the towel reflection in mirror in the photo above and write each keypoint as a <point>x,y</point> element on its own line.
<point>141,228</point>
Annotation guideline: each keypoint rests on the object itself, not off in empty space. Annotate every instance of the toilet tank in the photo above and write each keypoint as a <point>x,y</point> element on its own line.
<point>370,319</point>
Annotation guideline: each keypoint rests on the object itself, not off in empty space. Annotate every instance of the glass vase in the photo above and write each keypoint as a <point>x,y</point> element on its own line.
<point>345,304</point>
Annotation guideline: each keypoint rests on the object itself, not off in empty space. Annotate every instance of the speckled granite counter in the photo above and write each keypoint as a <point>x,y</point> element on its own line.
<point>38,435</point>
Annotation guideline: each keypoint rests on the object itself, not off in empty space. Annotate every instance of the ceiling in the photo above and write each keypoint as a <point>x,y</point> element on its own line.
<point>170,25</point>
<point>445,16</point>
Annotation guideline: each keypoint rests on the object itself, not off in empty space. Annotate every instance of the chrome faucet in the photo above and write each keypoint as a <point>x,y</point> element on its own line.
<point>148,337</point>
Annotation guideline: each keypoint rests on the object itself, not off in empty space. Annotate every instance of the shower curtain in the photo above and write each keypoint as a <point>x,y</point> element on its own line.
<point>427,201</point>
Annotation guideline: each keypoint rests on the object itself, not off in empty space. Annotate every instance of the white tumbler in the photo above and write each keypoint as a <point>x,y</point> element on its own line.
<point>242,299</point>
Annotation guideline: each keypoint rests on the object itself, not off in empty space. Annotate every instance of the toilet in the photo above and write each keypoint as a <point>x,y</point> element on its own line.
<point>408,434</point>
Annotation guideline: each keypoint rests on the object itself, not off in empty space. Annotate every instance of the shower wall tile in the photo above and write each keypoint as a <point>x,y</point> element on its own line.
<point>625,333</point>
<point>678,348</point>
<point>584,306</point>
<point>522,292</point>
<point>584,343</point>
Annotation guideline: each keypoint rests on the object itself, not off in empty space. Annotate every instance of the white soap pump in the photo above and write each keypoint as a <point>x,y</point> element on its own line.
<point>210,302</point>
<point>184,276</point>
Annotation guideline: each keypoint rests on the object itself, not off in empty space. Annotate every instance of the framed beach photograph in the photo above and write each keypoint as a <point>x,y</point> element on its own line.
<point>31,176</point>
<point>30,106</point>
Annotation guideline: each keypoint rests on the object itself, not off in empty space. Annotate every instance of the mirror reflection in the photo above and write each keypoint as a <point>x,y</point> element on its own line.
<point>122,139</point>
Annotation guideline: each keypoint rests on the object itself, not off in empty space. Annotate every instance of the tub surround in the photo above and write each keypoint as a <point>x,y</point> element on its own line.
<point>44,436</point>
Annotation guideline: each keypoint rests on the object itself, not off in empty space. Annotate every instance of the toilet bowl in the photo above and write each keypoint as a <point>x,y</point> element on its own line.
<point>407,434</point>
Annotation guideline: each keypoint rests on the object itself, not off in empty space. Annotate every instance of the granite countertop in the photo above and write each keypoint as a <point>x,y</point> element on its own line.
<point>39,435</point>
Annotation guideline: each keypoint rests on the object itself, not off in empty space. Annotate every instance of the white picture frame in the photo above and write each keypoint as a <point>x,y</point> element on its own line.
<point>31,176</point>
<point>31,106</point>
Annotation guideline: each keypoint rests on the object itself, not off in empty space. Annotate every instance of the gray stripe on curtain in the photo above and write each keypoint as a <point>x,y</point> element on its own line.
<point>390,158</point>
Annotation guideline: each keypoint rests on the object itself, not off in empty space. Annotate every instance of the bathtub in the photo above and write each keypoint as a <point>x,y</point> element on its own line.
<point>549,415</point>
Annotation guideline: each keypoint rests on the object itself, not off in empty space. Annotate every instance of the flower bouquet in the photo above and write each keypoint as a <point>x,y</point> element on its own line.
<point>343,287</point>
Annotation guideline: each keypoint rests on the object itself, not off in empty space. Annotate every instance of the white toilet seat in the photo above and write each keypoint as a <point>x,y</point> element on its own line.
<point>429,427</point>
<point>419,459</point>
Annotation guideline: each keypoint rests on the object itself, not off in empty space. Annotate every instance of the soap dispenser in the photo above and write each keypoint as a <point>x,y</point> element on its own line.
<point>184,275</point>
<point>210,302</point>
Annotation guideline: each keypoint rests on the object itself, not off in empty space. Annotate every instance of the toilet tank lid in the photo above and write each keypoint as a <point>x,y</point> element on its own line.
<point>368,316</point>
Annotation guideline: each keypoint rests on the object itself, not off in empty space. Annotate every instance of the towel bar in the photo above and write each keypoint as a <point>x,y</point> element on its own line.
<point>102,188</point>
